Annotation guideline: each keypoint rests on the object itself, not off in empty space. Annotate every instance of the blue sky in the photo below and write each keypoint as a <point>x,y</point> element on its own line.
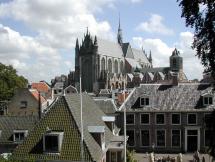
<point>37,37</point>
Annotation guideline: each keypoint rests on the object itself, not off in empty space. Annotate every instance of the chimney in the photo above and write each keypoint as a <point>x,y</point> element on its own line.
<point>175,79</point>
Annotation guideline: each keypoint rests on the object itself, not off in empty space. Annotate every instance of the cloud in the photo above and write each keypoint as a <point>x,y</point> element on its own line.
<point>161,53</point>
<point>155,25</point>
<point>57,24</point>
<point>136,1</point>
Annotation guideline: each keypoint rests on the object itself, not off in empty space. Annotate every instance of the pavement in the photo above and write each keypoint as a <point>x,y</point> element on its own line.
<point>140,157</point>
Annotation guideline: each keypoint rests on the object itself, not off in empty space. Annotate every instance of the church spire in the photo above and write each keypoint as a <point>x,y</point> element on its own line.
<point>119,34</point>
<point>150,57</point>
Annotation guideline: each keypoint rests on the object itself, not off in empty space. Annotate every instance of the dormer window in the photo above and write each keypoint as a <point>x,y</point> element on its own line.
<point>208,100</point>
<point>19,135</point>
<point>52,141</point>
<point>98,133</point>
<point>144,101</point>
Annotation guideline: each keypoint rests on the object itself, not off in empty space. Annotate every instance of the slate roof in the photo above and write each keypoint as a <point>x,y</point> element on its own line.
<point>106,105</point>
<point>64,115</point>
<point>133,63</point>
<point>184,97</point>
<point>10,123</point>
<point>140,56</point>
<point>164,70</point>
<point>109,48</point>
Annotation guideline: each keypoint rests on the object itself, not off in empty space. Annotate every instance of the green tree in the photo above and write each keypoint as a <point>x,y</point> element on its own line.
<point>200,15</point>
<point>9,81</point>
<point>130,156</point>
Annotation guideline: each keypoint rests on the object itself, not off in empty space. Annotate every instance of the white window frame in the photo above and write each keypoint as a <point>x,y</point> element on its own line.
<point>19,131</point>
<point>141,119</point>
<point>171,138</point>
<point>60,141</point>
<point>134,137</point>
<point>164,137</point>
<point>164,118</point>
<point>207,97</point>
<point>134,119</point>
<point>180,118</point>
<point>141,137</point>
<point>144,97</point>
<point>188,117</point>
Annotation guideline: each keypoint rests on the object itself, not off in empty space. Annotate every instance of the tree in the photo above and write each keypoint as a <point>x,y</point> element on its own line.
<point>9,81</point>
<point>200,15</point>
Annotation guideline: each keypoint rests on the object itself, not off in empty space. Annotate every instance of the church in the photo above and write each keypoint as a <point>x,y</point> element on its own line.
<point>111,65</point>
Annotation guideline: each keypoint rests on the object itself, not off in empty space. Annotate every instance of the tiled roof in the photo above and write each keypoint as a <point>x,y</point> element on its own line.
<point>35,93</point>
<point>64,115</point>
<point>41,87</point>
<point>184,97</point>
<point>10,123</point>
<point>91,117</point>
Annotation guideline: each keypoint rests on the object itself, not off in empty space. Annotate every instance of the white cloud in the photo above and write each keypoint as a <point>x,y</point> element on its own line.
<point>136,1</point>
<point>57,24</point>
<point>155,25</point>
<point>161,53</point>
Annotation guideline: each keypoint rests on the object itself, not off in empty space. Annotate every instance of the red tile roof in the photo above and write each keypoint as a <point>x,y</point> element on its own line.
<point>41,87</point>
<point>35,93</point>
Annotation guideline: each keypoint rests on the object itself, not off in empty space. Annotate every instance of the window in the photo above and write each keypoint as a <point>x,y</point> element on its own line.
<point>160,138</point>
<point>191,119</point>
<point>23,104</point>
<point>144,119</point>
<point>176,119</point>
<point>207,138</point>
<point>55,91</point>
<point>176,138</point>
<point>144,137</point>
<point>130,119</point>
<point>207,119</point>
<point>19,135</point>
<point>0,133</point>
<point>131,140</point>
<point>160,119</point>
<point>52,142</point>
<point>144,101</point>
<point>113,156</point>
<point>208,100</point>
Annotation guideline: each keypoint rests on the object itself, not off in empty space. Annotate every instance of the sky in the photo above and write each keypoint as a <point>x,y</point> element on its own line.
<point>38,37</point>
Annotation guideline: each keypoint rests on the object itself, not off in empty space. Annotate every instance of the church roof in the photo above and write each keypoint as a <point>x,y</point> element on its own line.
<point>140,56</point>
<point>109,48</point>
<point>133,63</point>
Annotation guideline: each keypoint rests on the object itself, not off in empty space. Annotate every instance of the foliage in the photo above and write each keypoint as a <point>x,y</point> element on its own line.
<point>200,15</point>
<point>130,156</point>
<point>9,81</point>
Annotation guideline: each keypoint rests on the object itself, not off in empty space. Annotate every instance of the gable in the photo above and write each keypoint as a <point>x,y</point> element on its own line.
<point>58,118</point>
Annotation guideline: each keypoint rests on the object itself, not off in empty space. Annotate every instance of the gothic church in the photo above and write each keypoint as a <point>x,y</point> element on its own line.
<point>109,65</point>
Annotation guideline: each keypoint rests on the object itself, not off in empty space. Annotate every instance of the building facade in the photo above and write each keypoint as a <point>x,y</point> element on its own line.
<point>168,118</point>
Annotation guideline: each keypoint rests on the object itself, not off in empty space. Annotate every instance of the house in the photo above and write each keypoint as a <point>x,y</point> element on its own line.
<point>43,88</point>
<point>26,102</point>
<point>13,130</point>
<point>57,136</point>
<point>168,117</point>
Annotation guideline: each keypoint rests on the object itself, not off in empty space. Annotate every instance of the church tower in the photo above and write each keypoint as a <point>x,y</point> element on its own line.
<point>176,61</point>
<point>77,53</point>
<point>119,34</point>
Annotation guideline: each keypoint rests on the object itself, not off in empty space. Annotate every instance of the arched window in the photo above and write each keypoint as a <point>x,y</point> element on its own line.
<point>109,66</point>
<point>103,64</point>
<point>116,66</point>
<point>121,67</point>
